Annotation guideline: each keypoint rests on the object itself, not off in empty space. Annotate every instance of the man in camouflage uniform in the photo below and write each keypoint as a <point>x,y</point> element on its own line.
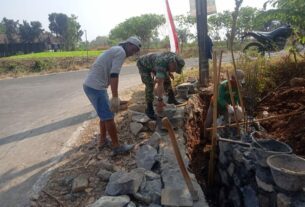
<point>157,69</point>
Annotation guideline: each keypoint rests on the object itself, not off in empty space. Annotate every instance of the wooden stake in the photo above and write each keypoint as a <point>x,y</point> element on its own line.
<point>232,100</point>
<point>182,167</point>
<point>214,141</point>
<point>219,66</point>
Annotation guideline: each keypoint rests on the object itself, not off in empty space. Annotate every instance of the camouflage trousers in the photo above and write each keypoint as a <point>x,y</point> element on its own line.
<point>149,82</point>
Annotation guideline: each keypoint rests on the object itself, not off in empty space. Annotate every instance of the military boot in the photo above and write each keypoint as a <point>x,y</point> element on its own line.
<point>150,111</point>
<point>172,98</point>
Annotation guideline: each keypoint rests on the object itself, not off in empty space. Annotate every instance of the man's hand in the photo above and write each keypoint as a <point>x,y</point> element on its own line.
<point>160,105</point>
<point>171,76</point>
<point>230,109</point>
<point>115,104</point>
<point>239,113</point>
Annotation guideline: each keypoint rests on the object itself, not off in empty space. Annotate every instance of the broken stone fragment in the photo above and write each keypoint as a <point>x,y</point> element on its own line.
<point>135,128</point>
<point>106,166</point>
<point>152,187</point>
<point>104,175</point>
<point>152,125</point>
<point>249,196</point>
<point>169,111</point>
<point>131,204</point>
<point>141,118</point>
<point>145,157</point>
<point>111,201</point>
<point>122,183</point>
<point>143,135</point>
<point>189,86</point>
<point>263,185</point>
<point>177,121</point>
<point>154,140</point>
<point>80,183</point>
<point>283,200</point>
<point>142,198</point>
<point>154,205</point>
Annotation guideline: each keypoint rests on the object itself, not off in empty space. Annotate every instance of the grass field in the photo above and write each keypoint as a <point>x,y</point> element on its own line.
<point>57,54</point>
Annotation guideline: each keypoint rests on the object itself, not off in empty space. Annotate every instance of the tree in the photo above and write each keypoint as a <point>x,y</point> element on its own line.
<point>58,24</point>
<point>215,25</point>
<point>288,12</point>
<point>184,25</point>
<point>30,32</point>
<point>227,22</point>
<point>100,41</point>
<point>74,33</point>
<point>2,28</point>
<point>11,29</point>
<point>246,20</point>
<point>144,26</point>
<point>66,28</point>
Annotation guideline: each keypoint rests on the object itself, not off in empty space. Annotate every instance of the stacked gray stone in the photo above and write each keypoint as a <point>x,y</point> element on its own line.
<point>246,183</point>
<point>157,180</point>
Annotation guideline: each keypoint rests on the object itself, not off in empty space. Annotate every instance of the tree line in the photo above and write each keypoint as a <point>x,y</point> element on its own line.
<point>148,26</point>
<point>64,29</point>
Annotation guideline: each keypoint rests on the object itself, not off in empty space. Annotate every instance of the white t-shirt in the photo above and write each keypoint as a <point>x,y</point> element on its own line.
<point>110,61</point>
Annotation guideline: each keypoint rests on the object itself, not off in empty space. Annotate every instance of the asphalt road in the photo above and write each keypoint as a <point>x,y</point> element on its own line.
<point>38,115</point>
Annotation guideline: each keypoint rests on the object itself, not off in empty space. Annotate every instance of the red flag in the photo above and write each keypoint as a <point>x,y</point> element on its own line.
<point>173,35</point>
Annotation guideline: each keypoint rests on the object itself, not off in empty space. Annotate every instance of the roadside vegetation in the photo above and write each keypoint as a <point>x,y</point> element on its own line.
<point>60,54</point>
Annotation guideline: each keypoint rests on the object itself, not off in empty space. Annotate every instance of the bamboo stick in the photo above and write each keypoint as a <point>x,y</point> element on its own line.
<point>233,101</point>
<point>214,141</point>
<point>219,66</point>
<point>262,119</point>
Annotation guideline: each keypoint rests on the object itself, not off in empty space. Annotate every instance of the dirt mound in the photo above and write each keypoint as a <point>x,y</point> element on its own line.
<point>288,129</point>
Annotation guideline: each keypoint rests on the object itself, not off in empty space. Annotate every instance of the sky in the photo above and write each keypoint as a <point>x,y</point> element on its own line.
<point>98,17</point>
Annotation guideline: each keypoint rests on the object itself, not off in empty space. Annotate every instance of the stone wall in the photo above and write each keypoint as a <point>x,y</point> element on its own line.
<point>241,180</point>
<point>246,183</point>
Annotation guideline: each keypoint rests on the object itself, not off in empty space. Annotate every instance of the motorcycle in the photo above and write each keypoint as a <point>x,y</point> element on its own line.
<point>267,41</point>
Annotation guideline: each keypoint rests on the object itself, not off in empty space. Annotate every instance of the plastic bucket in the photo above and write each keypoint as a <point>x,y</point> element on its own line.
<point>264,148</point>
<point>288,171</point>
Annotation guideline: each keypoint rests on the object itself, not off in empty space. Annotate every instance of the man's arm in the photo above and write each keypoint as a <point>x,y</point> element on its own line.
<point>159,90</point>
<point>114,84</point>
<point>114,101</point>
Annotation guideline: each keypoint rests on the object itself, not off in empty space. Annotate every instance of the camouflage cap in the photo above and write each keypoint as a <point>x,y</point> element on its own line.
<point>180,63</point>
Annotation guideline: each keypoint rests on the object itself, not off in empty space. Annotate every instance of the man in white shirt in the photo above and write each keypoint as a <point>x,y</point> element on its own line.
<point>104,72</point>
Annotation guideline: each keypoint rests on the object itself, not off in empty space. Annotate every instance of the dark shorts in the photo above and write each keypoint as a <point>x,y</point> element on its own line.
<point>100,101</point>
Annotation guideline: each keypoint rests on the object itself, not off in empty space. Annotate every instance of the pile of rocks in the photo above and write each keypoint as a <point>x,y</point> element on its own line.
<point>157,180</point>
<point>247,182</point>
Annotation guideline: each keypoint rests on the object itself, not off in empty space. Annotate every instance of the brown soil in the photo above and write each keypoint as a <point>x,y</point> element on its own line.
<point>196,142</point>
<point>290,129</point>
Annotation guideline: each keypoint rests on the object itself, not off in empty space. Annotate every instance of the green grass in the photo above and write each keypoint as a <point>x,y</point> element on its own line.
<point>56,54</point>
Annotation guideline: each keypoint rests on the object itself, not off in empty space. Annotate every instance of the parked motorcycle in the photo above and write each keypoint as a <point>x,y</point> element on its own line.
<point>267,41</point>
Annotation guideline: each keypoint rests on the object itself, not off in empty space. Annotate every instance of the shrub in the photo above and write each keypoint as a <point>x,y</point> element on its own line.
<point>38,66</point>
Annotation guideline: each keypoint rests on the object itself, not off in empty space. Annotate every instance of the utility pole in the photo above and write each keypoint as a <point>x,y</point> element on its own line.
<point>202,32</point>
